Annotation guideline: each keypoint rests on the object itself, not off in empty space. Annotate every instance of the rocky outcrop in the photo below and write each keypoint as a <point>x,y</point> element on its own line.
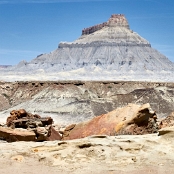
<point>167,121</point>
<point>18,115</point>
<point>23,126</point>
<point>132,119</point>
<point>93,28</point>
<point>116,20</point>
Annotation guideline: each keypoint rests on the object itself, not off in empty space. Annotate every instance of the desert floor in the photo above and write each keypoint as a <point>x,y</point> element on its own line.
<point>97,154</point>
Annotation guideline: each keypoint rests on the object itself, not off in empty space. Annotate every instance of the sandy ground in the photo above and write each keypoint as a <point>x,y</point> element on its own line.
<point>93,155</point>
<point>87,74</point>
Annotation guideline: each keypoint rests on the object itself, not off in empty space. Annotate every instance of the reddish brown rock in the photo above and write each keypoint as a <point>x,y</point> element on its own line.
<point>93,28</point>
<point>47,134</point>
<point>167,122</point>
<point>11,135</point>
<point>31,122</point>
<point>40,128</point>
<point>132,119</point>
<point>38,134</point>
<point>68,129</point>
<point>114,20</point>
<point>53,135</point>
<point>17,114</point>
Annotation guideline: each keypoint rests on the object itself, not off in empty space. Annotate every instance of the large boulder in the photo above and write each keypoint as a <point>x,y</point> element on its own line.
<point>18,114</point>
<point>24,126</point>
<point>132,119</point>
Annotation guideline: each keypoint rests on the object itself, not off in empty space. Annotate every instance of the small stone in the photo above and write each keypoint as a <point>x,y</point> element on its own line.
<point>18,158</point>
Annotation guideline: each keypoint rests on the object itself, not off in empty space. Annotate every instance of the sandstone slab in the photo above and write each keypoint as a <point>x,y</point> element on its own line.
<point>11,135</point>
<point>132,119</point>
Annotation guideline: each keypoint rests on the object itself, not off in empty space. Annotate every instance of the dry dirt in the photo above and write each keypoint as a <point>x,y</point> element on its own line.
<point>94,155</point>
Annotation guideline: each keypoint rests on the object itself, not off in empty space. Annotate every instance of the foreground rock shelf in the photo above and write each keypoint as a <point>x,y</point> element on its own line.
<point>124,154</point>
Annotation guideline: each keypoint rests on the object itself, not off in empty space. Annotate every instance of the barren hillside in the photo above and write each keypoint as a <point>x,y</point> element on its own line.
<point>75,101</point>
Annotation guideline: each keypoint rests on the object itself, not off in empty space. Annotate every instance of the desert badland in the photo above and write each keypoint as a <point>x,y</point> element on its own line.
<point>107,100</point>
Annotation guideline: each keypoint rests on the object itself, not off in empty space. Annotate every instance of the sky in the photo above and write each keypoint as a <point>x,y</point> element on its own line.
<point>32,27</point>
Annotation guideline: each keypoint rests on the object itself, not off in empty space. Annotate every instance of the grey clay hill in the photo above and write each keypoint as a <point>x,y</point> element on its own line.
<point>107,51</point>
<point>112,45</point>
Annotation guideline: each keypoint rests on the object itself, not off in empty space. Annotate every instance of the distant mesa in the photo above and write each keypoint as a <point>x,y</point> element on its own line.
<point>5,66</point>
<point>107,47</point>
<point>110,45</point>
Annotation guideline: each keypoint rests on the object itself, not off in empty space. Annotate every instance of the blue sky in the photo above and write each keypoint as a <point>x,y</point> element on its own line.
<point>31,27</point>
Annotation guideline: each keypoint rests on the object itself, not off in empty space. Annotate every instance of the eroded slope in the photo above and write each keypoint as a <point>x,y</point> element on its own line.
<point>69,102</point>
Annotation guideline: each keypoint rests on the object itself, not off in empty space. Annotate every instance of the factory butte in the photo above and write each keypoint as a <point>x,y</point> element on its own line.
<point>110,49</point>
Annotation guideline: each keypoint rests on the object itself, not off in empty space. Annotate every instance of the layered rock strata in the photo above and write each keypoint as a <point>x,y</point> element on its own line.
<point>70,102</point>
<point>108,46</point>
<point>115,21</point>
<point>24,126</point>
